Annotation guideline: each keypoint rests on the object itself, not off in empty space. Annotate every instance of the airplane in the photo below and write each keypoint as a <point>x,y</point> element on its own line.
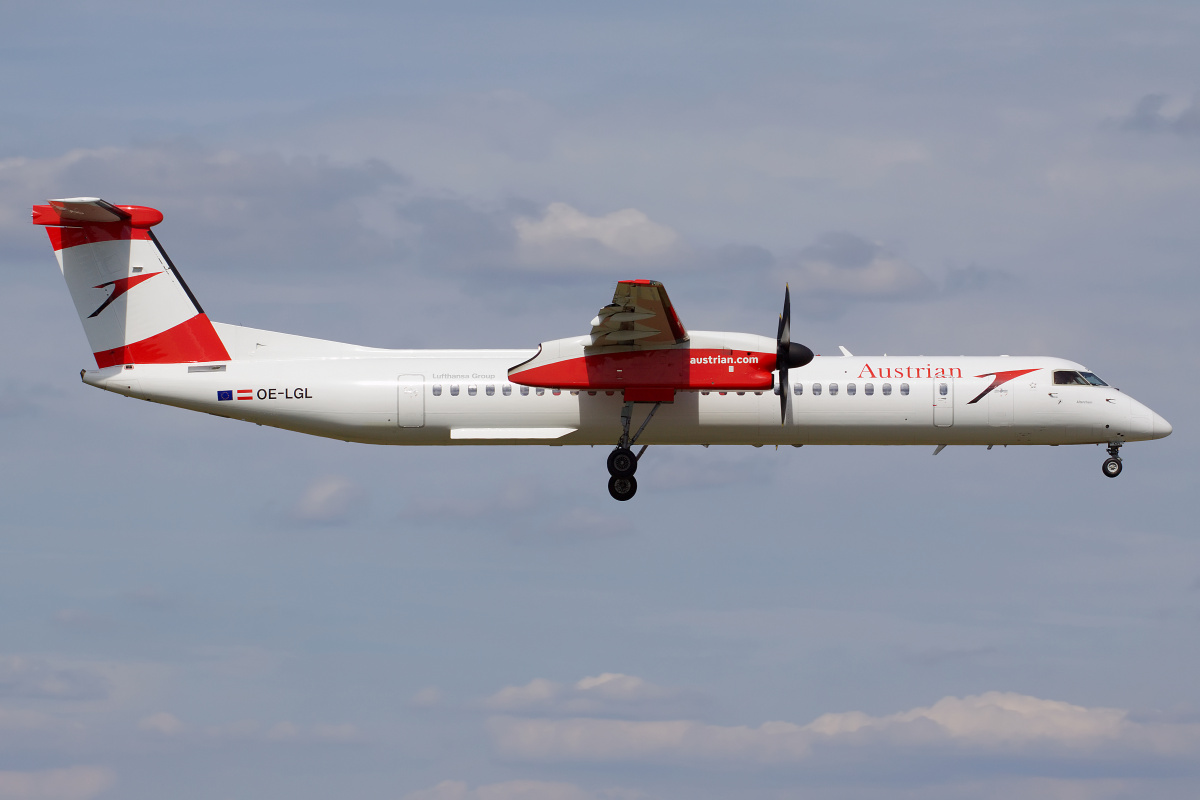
<point>637,363</point>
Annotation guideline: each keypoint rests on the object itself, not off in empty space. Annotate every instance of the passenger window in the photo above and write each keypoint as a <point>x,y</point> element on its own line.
<point>472,389</point>
<point>437,390</point>
<point>816,388</point>
<point>454,390</point>
<point>904,389</point>
<point>833,389</point>
<point>798,389</point>
<point>524,391</point>
<point>506,389</point>
<point>490,389</point>
<point>540,391</point>
<point>943,389</point>
<point>887,390</point>
<point>851,389</point>
<point>868,389</point>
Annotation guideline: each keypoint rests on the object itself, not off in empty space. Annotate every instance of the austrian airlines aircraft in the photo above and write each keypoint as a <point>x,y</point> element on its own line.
<point>152,341</point>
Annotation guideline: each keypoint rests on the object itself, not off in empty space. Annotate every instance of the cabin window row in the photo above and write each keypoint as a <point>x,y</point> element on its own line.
<point>851,389</point>
<point>489,389</point>
<point>797,389</point>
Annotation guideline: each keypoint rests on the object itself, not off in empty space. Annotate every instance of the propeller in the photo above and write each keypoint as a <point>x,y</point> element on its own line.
<point>788,355</point>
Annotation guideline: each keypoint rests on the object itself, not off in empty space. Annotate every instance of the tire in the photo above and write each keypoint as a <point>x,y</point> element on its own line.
<point>622,463</point>
<point>622,488</point>
<point>1111,467</point>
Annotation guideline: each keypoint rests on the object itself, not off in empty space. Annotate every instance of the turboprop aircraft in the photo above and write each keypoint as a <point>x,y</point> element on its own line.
<point>637,363</point>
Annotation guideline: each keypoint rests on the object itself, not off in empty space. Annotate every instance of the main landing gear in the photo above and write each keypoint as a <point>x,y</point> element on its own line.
<point>622,461</point>
<point>1112,465</point>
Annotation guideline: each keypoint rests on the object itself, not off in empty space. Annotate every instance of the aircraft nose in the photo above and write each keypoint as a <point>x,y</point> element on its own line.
<point>1161,428</point>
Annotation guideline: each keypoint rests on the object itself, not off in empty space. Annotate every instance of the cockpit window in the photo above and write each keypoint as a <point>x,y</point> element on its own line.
<point>1063,377</point>
<point>1091,378</point>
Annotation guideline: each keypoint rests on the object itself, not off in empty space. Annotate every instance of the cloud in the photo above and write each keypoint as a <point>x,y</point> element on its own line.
<point>1149,116</point>
<point>429,697</point>
<point>610,693</point>
<point>162,722</point>
<point>79,618</point>
<point>520,790</point>
<point>25,721</point>
<point>240,209</point>
<point>71,783</point>
<point>566,237</point>
<point>973,278</point>
<point>328,501</point>
<point>27,677</point>
<point>994,723</point>
<point>290,732</point>
<point>284,731</point>
<point>843,266</point>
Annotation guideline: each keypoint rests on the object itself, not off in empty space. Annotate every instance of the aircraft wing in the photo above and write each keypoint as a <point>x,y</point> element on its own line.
<point>639,315</point>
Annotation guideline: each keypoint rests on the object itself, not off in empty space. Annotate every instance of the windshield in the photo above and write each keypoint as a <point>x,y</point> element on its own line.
<point>1066,377</point>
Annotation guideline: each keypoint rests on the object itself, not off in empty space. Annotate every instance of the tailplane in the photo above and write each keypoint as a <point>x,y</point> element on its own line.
<point>133,303</point>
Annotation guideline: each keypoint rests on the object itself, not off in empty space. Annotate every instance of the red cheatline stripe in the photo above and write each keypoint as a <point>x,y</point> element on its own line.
<point>193,340</point>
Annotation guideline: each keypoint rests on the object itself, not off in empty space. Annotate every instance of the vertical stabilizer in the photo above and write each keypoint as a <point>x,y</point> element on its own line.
<point>134,306</point>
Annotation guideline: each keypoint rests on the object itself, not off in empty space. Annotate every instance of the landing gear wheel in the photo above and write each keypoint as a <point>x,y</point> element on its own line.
<point>622,488</point>
<point>622,463</point>
<point>1111,467</point>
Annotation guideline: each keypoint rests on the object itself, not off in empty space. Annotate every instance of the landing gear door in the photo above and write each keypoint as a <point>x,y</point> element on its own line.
<point>943,402</point>
<point>410,401</point>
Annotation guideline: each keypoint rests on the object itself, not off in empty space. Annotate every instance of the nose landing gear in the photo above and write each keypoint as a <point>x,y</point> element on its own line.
<point>622,462</point>
<point>1112,465</point>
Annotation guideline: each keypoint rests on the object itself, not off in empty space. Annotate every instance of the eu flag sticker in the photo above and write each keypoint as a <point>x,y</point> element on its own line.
<point>226,395</point>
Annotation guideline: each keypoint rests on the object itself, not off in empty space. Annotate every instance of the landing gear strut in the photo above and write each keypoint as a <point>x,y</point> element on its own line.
<point>1112,465</point>
<point>622,461</point>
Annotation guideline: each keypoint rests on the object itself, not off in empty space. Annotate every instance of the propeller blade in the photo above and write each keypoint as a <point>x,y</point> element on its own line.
<point>785,319</point>
<point>783,393</point>
<point>783,346</point>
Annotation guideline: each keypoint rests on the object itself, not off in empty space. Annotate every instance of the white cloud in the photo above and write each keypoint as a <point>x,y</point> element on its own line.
<point>290,732</point>
<point>608,692</point>
<point>565,236</point>
<point>842,265</point>
<point>328,501</point>
<point>428,697</point>
<point>26,721</point>
<point>162,722</point>
<point>71,783</point>
<point>519,790</point>
<point>995,722</point>
<point>27,676</point>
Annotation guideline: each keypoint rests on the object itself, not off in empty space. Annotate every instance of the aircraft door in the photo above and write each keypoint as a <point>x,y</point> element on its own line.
<point>1000,407</point>
<point>410,401</point>
<point>943,402</point>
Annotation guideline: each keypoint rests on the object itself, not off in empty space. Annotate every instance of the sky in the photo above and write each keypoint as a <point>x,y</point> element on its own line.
<point>196,608</point>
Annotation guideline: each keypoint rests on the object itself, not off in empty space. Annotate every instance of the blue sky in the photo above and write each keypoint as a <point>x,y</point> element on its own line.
<point>197,608</point>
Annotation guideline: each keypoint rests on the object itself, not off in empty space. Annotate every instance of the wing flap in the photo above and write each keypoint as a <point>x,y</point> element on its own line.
<point>640,315</point>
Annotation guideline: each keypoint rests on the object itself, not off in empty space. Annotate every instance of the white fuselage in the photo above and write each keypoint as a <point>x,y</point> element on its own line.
<point>448,397</point>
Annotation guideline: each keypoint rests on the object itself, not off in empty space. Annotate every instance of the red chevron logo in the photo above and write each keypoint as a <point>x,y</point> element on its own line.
<point>120,287</point>
<point>1000,378</point>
